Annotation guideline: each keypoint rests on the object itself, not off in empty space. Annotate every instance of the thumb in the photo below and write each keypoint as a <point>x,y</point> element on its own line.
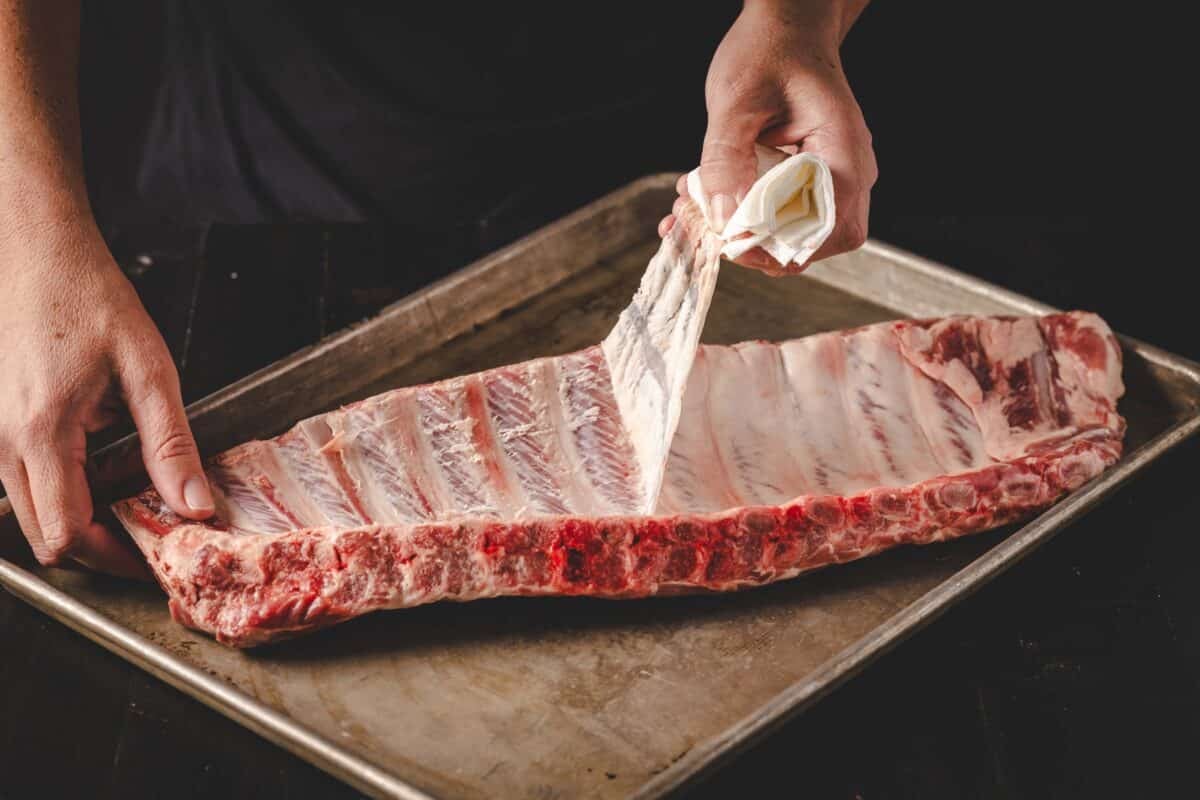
<point>728,163</point>
<point>168,449</point>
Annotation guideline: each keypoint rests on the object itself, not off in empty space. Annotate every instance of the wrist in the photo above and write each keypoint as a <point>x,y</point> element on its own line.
<point>35,195</point>
<point>46,233</point>
<point>816,25</point>
<point>41,207</point>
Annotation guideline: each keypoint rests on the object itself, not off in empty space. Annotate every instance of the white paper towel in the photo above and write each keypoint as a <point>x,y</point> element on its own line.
<point>788,212</point>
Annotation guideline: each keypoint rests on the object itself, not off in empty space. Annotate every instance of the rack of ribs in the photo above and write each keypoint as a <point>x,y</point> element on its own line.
<point>524,480</point>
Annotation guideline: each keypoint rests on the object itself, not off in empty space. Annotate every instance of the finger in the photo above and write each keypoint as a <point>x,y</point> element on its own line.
<point>680,204</point>
<point>849,233</point>
<point>757,258</point>
<point>16,486</point>
<point>681,185</point>
<point>665,225</point>
<point>852,166</point>
<point>728,162</point>
<point>168,449</point>
<point>62,502</point>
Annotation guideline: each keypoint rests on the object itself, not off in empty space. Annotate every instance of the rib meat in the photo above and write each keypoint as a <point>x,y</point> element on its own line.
<point>525,480</point>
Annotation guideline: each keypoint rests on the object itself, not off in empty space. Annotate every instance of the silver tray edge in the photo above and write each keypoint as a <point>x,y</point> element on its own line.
<point>377,782</point>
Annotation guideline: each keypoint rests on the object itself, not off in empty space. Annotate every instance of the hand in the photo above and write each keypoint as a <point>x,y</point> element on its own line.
<point>76,341</point>
<point>777,79</point>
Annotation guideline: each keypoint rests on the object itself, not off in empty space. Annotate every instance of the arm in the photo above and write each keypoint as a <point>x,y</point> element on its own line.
<point>74,338</point>
<point>777,79</point>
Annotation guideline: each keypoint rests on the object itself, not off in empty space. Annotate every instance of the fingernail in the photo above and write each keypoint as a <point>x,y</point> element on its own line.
<point>197,495</point>
<point>722,209</point>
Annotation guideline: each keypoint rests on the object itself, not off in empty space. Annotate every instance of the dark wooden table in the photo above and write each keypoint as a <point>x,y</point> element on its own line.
<point>1072,675</point>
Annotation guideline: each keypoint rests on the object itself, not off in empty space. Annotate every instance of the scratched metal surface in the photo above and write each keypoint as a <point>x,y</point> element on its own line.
<point>546,698</point>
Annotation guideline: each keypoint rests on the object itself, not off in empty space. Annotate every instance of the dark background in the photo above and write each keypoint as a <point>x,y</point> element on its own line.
<point>1036,146</point>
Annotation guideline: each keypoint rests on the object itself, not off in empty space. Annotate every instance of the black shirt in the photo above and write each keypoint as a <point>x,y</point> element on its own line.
<point>254,111</point>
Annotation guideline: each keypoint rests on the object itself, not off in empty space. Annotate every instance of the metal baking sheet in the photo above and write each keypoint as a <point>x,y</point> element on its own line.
<point>573,697</point>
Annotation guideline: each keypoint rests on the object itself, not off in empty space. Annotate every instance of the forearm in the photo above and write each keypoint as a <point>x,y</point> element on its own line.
<point>41,160</point>
<point>828,20</point>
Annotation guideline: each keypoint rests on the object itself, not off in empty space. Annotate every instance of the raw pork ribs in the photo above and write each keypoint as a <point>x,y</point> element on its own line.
<point>524,481</point>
